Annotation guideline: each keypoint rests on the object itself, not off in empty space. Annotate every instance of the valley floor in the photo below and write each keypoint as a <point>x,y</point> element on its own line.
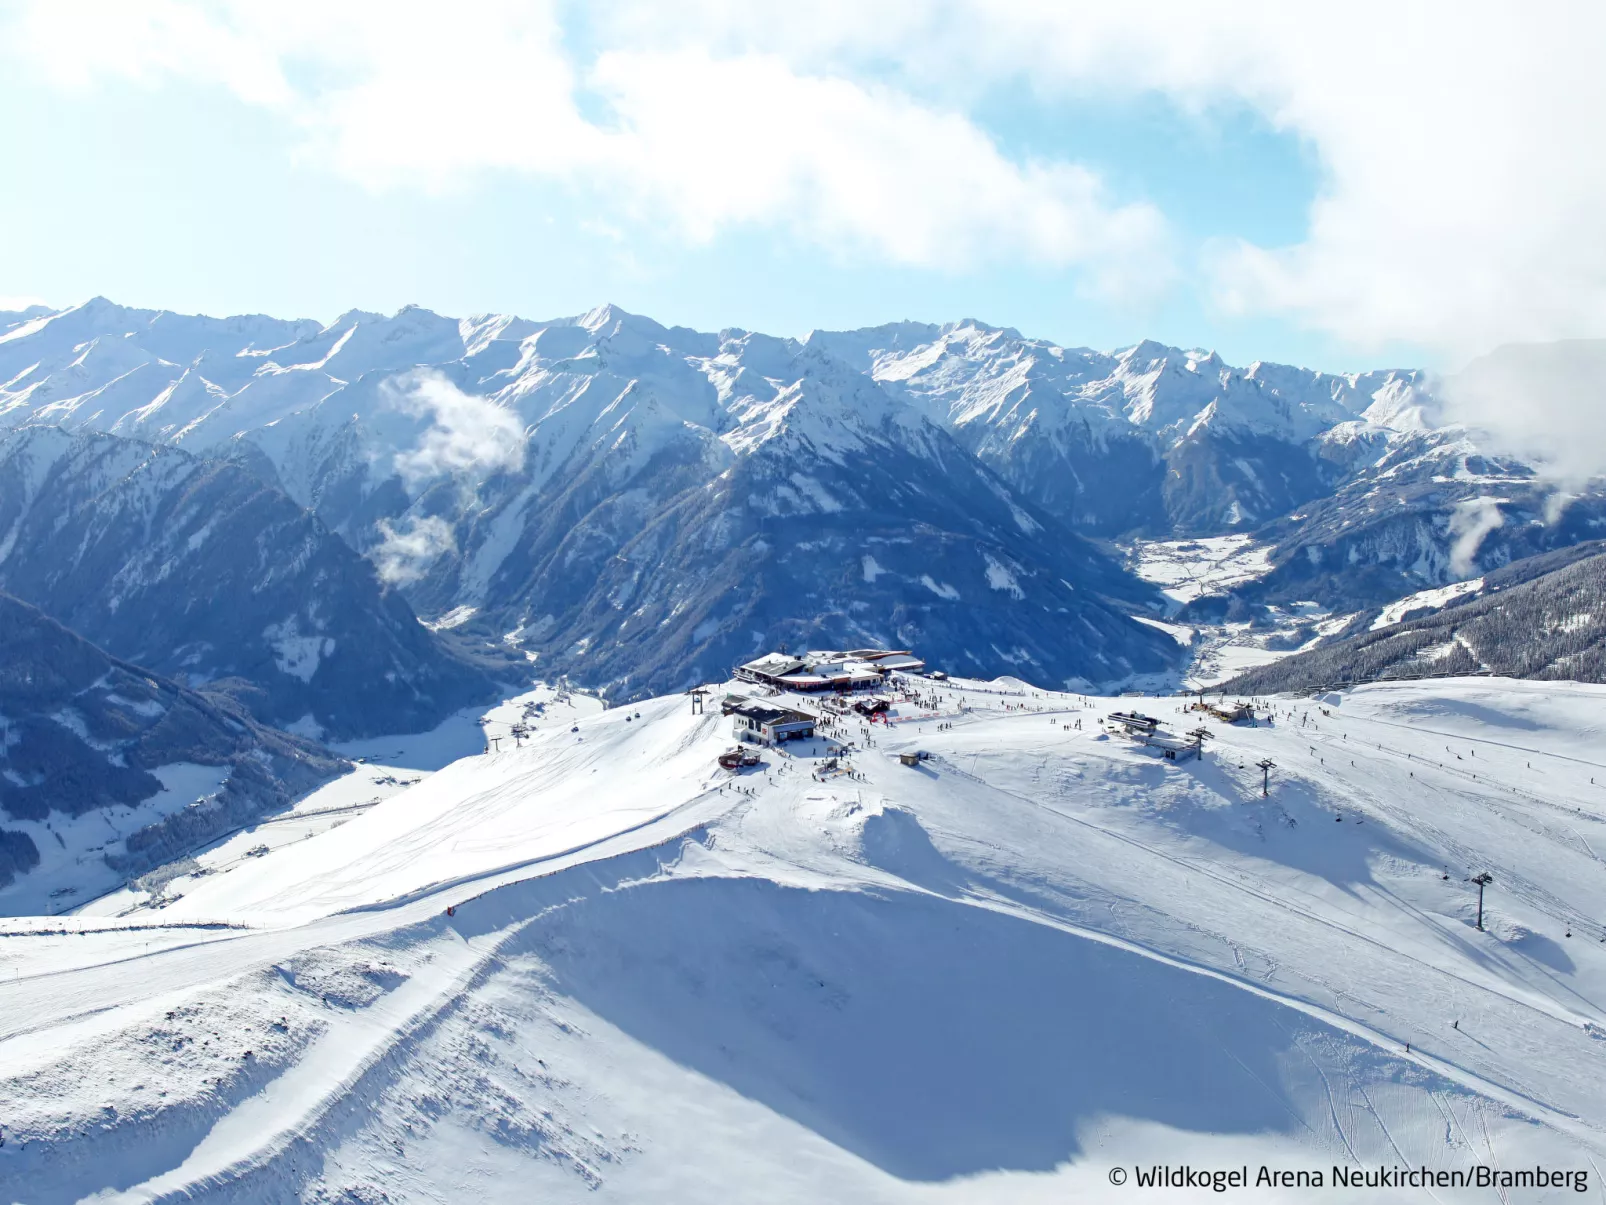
<point>595,967</point>
<point>1185,570</point>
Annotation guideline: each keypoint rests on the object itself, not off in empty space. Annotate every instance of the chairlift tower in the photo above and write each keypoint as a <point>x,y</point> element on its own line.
<point>1482,879</point>
<point>1266,767</point>
<point>697,694</point>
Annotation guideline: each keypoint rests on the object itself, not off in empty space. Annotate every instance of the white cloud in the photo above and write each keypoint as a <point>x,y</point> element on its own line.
<point>467,434</point>
<point>1546,404</point>
<point>76,42</point>
<point>1471,521</point>
<point>405,556</point>
<point>723,142</point>
<point>1461,207</point>
<point>429,95</point>
<point>1461,202</point>
<point>1461,193</point>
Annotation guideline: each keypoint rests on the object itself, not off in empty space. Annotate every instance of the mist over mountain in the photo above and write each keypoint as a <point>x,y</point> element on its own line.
<point>198,569</point>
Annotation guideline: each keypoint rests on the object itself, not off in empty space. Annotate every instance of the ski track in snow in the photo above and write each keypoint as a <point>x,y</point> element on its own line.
<point>992,976</point>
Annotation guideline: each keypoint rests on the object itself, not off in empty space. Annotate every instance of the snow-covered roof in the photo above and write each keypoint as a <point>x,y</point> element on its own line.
<point>897,661</point>
<point>774,665</point>
<point>763,714</point>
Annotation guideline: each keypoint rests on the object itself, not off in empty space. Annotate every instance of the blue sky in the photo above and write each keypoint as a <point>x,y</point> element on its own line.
<point>366,171</point>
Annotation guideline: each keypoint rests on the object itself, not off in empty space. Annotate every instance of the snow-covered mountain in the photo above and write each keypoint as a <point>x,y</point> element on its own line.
<point>197,569</point>
<point>590,963</point>
<point>1356,481</point>
<point>1150,439</point>
<point>1419,509</point>
<point>636,505</point>
<point>108,770</point>
<point>640,505</point>
<point>596,968</point>
<point>1542,618</point>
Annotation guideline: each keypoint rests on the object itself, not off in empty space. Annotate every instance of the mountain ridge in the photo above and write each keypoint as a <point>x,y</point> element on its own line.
<point>1528,620</point>
<point>88,736</point>
<point>461,456</point>
<point>198,568</point>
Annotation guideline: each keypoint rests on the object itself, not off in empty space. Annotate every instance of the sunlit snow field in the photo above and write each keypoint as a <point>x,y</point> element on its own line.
<point>597,967</point>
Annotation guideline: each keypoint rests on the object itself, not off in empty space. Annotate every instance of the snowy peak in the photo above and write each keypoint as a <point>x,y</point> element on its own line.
<point>1399,402</point>
<point>608,321</point>
<point>1140,357</point>
<point>358,343</point>
<point>861,349</point>
<point>960,373</point>
<point>1149,438</point>
<point>973,373</point>
<point>634,336</point>
<point>481,331</point>
<point>826,405</point>
<point>753,358</point>
<point>355,317</point>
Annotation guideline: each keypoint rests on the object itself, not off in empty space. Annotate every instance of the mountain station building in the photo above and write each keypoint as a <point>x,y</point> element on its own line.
<point>857,669</point>
<point>771,725</point>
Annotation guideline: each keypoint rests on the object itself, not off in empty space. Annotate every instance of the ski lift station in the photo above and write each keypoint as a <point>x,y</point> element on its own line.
<point>768,725</point>
<point>1172,748</point>
<point>1145,730</point>
<point>1135,723</point>
<point>774,719</point>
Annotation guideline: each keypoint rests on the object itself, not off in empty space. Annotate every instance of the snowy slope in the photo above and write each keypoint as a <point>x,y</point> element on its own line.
<point>597,968</point>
